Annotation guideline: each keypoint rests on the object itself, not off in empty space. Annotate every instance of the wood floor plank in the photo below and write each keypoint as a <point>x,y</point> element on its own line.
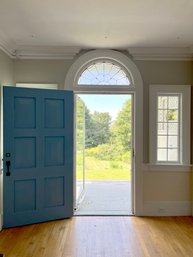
<point>101,237</point>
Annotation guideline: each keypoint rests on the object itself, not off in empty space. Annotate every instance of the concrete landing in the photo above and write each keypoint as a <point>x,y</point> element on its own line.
<point>106,198</point>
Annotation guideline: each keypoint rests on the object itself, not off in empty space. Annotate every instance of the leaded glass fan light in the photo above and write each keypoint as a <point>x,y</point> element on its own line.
<point>104,73</point>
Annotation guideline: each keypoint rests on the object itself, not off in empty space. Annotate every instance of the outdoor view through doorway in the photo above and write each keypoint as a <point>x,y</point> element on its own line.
<point>103,154</point>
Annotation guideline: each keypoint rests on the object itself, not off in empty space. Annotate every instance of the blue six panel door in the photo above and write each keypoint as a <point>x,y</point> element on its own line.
<point>38,142</point>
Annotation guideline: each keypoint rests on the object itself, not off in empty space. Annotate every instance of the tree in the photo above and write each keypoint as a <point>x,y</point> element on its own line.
<point>94,128</point>
<point>172,115</point>
<point>101,129</point>
<point>84,125</point>
<point>122,127</point>
<point>80,123</point>
<point>89,130</point>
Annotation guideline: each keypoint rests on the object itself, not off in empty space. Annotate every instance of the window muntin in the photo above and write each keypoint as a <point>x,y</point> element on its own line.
<point>174,118</point>
<point>104,73</point>
<point>168,128</point>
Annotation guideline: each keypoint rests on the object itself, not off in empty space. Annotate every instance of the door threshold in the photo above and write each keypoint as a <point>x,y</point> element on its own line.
<point>103,213</point>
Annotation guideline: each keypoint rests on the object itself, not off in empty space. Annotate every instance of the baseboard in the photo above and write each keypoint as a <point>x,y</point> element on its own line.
<point>192,209</point>
<point>168,208</point>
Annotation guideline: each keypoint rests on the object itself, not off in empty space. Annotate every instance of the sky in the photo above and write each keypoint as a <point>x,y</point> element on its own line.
<point>105,103</point>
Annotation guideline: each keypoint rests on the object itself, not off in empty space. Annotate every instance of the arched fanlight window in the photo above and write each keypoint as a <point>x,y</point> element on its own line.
<point>104,73</point>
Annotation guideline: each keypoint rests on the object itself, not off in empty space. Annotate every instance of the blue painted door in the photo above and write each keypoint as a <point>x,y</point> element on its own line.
<point>38,155</point>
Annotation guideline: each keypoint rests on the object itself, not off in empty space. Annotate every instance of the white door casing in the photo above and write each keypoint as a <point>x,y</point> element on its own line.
<point>136,88</point>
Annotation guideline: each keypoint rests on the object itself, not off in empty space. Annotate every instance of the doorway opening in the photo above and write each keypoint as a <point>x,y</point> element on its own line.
<point>104,143</point>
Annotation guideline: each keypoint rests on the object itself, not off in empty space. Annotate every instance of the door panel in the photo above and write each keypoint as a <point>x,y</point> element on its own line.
<point>38,142</point>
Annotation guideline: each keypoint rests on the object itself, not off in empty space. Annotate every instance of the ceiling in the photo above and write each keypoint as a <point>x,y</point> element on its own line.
<point>43,27</point>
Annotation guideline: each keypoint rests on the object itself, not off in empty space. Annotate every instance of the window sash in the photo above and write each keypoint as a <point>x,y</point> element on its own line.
<point>178,126</point>
<point>164,152</point>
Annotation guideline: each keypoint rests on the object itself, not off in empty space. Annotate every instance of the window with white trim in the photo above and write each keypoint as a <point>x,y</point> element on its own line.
<point>169,124</point>
<point>104,73</point>
<point>168,128</point>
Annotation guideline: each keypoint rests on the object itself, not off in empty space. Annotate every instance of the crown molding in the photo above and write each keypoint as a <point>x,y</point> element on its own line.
<point>37,52</point>
<point>162,53</point>
<point>69,52</point>
<point>6,46</point>
<point>46,52</point>
<point>151,54</point>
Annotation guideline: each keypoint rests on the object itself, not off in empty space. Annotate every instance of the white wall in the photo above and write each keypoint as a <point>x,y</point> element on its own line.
<point>165,192</point>
<point>41,71</point>
<point>6,70</point>
<point>160,72</point>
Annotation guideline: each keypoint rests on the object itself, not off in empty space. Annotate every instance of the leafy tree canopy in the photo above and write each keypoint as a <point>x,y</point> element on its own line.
<point>122,127</point>
<point>100,130</point>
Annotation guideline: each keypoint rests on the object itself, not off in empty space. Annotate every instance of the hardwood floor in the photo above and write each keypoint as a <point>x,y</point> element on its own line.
<point>101,237</point>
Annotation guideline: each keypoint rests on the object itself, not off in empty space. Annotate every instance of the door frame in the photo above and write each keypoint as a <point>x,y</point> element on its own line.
<point>1,157</point>
<point>136,87</point>
<point>133,177</point>
<point>81,196</point>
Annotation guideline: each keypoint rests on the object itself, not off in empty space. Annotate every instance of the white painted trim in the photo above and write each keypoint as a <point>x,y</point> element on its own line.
<point>111,61</point>
<point>1,157</point>
<point>161,53</point>
<point>96,55</point>
<point>167,208</point>
<point>191,183</point>
<point>55,52</point>
<point>68,52</point>
<point>167,167</point>
<point>38,85</point>
<point>137,90</point>
<point>7,51</point>
<point>185,91</point>
<point>192,210</point>
<point>39,52</point>
<point>6,46</point>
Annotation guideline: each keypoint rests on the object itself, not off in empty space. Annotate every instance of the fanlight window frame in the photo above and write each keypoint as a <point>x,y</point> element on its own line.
<point>86,59</point>
<point>130,84</point>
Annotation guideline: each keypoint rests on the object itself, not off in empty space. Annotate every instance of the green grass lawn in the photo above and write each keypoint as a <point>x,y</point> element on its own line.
<point>102,169</point>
